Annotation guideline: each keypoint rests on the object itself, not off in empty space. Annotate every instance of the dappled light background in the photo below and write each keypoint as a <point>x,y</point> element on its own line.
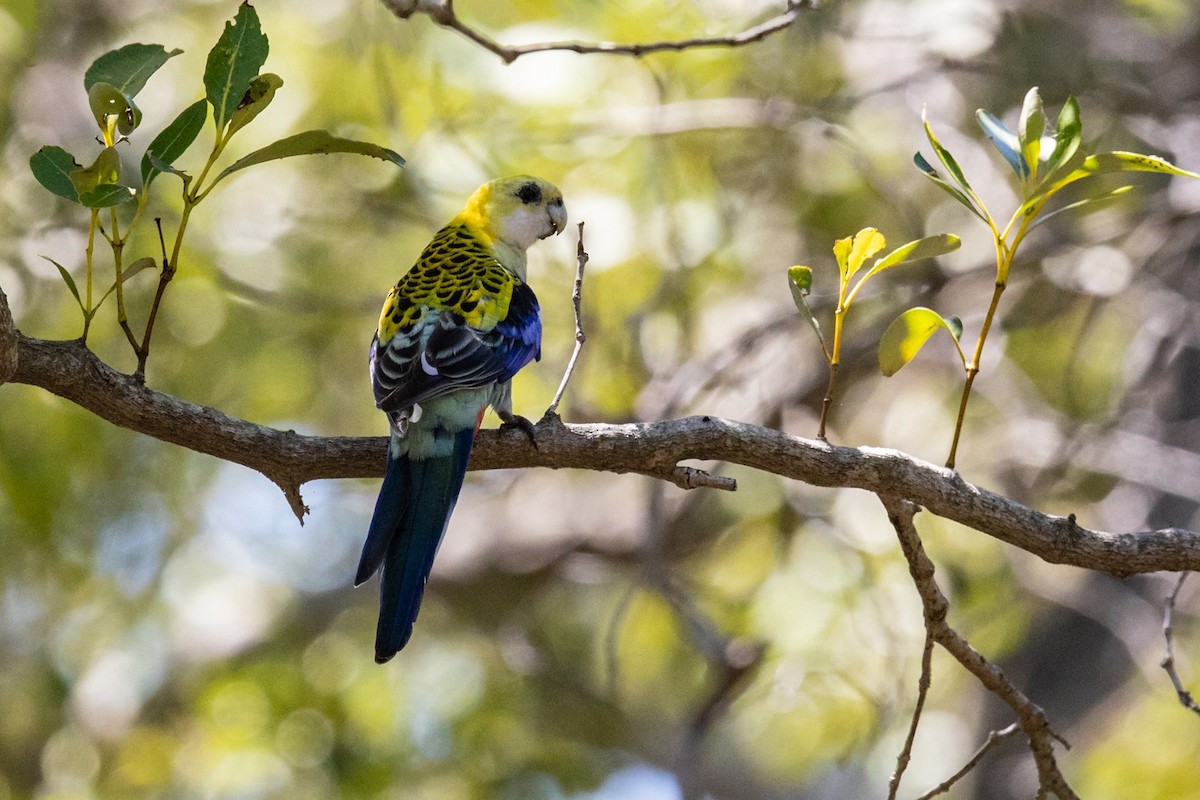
<point>167,629</point>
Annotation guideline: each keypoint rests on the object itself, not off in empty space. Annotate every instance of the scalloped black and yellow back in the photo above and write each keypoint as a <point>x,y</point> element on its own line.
<point>456,272</point>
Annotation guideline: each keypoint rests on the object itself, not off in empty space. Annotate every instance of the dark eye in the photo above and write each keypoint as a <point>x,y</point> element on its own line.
<point>530,193</point>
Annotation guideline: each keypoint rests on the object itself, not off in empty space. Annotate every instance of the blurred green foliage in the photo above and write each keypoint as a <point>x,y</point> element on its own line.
<point>167,630</point>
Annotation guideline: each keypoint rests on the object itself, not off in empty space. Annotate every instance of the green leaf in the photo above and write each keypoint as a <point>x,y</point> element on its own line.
<point>800,282</point>
<point>1122,161</point>
<point>1030,128</point>
<point>258,96</point>
<point>110,103</point>
<point>908,333</point>
<point>174,140</point>
<point>141,264</point>
<point>946,158</point>
<point>1005,142</point>
<point>309,143</point>
<point>1116,161</point>
<point>928,247</point>
<point>161,166</point>
<point>106,195</point>
<point>234,62</point>
<point>945,185</point>
<point>106,169</point>
<point>1091,202</point>
<point>127,68</point>
<point>1067,136</point>
<point>52,167</point>
<point>69,281</point>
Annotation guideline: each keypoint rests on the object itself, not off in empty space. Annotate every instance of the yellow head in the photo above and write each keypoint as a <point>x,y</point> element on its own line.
<point>515,212</point>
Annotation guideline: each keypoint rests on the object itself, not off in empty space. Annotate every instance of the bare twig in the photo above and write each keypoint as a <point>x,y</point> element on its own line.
<point>442,13</point>
<point>1030,716</point>
<point>923,684</point>
<point>994,738</point>
<point>1168,660</point>
<point>580,337</point>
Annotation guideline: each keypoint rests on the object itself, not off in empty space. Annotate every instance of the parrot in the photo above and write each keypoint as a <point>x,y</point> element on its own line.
<point>453,332</point>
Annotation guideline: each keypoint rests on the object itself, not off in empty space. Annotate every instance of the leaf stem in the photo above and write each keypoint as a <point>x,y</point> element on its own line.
<point>118,250</point>
<point>88,311</point>
<point>839,315</point>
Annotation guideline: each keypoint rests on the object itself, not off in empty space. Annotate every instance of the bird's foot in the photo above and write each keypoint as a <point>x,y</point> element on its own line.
<point>517,422</point>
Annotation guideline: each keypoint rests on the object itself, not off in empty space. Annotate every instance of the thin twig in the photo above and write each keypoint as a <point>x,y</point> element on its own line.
<point>442,13</point>
<point>580,337</point>
<point>936,607</point>
<point>1168,661</point>
<point>923,684</point>
<point>994,738</point>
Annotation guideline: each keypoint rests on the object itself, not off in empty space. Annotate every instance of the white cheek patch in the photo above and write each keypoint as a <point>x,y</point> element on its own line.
<point>526,225</point>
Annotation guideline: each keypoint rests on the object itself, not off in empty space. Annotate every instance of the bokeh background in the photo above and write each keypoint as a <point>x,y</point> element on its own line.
<point>167,629</point>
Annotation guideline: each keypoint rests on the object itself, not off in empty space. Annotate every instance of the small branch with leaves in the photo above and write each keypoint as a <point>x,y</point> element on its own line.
<point>235,91</point>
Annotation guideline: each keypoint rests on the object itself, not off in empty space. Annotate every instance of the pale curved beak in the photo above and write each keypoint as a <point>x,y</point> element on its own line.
<point>558,215</point>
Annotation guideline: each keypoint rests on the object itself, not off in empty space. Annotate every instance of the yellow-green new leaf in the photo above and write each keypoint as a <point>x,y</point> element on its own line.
<point>908,333</point>
<point>1030,128</point>
<point>1116,161</point>
<point>928,247</point>
<point>865,244</point>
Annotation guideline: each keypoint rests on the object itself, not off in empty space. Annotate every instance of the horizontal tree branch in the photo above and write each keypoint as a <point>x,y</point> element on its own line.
<point>68,369</point>
<point>442,13</point>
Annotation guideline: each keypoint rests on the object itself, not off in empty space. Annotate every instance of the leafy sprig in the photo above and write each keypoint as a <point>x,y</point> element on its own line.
<point>851,254</point>
<point>236,92</point>
<point>1044,164</point>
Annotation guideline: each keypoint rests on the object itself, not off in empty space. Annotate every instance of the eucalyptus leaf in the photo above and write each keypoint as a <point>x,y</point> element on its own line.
<point>258,96</point>
<point>865,244</point>
<point>69,281</point>
<point>1005,142</point>
<point>309,143</point>
<point>233,63</point>
<point>106,195</point>
<point>908,333</point>
<point>800,283</point>
<point>174,140</point>
<point>161,166</point>
<point>52,167</point>
<point>106,169</point>
<point>1116,161</point>
<point>127,68</point>
<point>945,185</point>
<point>1030,127</point>
<point>1089,202</point>
<point>140,265</point>
<point>946,158</point>
<point>1067,136</point>
<point>108,102</point>
<point>928,247</point>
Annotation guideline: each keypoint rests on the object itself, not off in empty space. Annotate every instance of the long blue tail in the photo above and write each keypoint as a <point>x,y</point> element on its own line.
<point>414,505</point>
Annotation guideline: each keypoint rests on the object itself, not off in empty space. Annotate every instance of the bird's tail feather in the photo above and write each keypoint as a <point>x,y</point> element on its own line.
<point>420,496</point>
